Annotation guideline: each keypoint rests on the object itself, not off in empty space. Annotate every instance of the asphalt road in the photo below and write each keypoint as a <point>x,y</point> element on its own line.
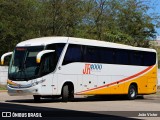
<point>86,107</point>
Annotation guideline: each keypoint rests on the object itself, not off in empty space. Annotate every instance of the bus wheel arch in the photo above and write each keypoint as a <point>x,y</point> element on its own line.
<point>67,91</point>
<point>132,91</point>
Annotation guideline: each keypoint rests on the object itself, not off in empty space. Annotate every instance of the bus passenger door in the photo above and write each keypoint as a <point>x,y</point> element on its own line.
<point>46,71</point>
<point>47,84</point>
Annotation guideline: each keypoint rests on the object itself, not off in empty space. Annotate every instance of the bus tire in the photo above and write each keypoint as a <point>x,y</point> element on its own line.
<point>37,98</point>
<point>65,93</point>
<point>71,95</point>
<point>132,92</point>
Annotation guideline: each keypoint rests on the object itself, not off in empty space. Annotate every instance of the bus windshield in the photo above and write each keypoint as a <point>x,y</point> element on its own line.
<point>23,64</point>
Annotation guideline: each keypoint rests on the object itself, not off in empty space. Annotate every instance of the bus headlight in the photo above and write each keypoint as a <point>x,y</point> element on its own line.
<point>37,82</point>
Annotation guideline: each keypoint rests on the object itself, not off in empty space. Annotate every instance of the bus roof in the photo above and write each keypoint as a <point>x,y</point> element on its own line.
<point>43,41</point>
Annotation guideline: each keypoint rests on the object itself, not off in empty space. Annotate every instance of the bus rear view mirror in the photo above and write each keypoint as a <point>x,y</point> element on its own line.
<point>5,55</point>
<point>40,54</point>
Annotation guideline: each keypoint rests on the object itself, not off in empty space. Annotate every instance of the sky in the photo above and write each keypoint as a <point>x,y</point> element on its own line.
<point>155,8</point>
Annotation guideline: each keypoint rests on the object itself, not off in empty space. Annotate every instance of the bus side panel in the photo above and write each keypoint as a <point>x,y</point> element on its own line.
<point>118,88</point>
<point>151,86</point>
<point>145,80</point>
<point>89,81</point>
<point>152,81</point>
<point>146,83</point>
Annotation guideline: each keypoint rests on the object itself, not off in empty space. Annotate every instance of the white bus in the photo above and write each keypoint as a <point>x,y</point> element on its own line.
<point>65,66</point>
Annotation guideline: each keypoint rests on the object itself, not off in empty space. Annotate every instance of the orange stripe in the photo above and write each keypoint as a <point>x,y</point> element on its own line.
<point>120,81</point>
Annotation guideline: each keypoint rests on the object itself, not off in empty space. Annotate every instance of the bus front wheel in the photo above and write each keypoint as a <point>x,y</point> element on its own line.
<point>65,93</point>
<point>132,92</point>
<point>36,98</point>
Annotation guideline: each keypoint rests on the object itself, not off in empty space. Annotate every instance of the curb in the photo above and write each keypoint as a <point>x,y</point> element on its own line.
<point>152,96</point>
<point>3,91</point>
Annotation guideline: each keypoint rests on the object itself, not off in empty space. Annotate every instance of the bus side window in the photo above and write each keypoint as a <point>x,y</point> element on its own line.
<point>136,58</point>
<point>122,57</point>
<point>106,55</point>
<point>91,54</point>
<point>73,54</point>
<point>149,58</point>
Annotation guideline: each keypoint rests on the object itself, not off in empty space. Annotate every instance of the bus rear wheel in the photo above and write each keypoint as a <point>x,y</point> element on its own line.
<point>36,98</point>
<point>132,92</point>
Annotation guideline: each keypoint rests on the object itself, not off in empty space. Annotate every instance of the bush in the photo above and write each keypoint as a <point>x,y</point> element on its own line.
<point>3,87</point>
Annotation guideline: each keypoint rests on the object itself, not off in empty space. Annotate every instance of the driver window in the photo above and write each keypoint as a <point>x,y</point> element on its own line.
<point>48,64</point>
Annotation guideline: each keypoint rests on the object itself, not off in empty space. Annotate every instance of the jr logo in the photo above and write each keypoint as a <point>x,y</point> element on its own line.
<point>91,67</point>
<point>87,69</point>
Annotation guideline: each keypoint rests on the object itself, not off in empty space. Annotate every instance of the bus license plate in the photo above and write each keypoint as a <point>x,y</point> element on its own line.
<point>19,91</point>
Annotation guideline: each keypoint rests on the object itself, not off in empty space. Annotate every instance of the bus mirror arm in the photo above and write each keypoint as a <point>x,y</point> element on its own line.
<point>41,53</point>
<point>4,55</point>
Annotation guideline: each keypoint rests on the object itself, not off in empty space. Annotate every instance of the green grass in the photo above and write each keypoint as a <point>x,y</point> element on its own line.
<point>3,87</point>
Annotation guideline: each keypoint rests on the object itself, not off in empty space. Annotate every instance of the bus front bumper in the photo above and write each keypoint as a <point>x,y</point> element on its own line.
<point>23,91</point>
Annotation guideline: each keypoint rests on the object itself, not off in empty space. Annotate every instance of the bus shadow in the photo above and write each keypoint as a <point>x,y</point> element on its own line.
<point>95,98</point>
<point>64,114</point>
<point>105,98</point>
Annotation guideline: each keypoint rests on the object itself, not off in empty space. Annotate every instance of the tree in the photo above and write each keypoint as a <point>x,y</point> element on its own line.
<point>17,22</point>
<point>121,21</point>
